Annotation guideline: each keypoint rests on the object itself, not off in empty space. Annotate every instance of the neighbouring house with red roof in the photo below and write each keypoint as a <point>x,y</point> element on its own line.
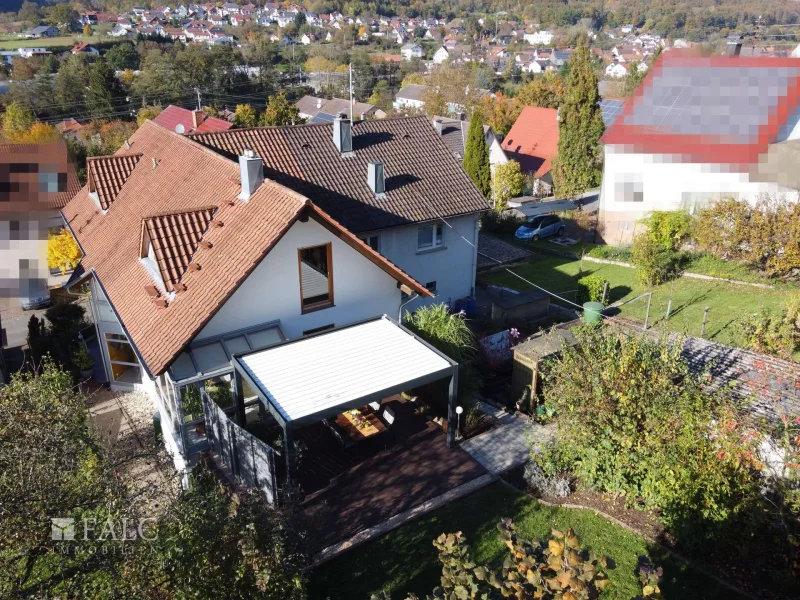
<point>70,128</point>
<point>37,181</point>
<point>700,129</point>
<point>213,255</point>
<point>189,121</point>
<point>533,143</point>
<point>85,48</point>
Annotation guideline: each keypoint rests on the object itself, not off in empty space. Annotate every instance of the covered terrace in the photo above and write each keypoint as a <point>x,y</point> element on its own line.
<point>317,378</point>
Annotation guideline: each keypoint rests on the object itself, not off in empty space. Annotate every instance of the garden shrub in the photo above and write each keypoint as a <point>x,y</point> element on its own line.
<point>632,420</point>
<point>723,228</point>
<point>619,253</point>
<point>447,332</point>
<point>768,333</point>
<point>500,222</point>
<point>590,288</point>
<point>655,252</point>
<point>766,235</point>
<point>668,229</point>
<point>654,264</point>
<point>542,484</point>
<point>557,568</point>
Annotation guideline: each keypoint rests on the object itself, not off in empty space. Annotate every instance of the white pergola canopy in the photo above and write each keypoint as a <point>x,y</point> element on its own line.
<point>313,378</point>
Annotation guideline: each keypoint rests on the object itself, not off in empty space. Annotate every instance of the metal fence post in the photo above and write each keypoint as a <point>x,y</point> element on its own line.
<point>647,315</point>
<point>669,309</point>
<point>605,290</point>
<point>705,318</point>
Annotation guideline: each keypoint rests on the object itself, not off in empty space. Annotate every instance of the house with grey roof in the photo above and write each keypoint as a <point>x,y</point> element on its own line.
<point>42,31</point>
<point>411,96</point>
<point>323,110</point>
<point>454,134</point>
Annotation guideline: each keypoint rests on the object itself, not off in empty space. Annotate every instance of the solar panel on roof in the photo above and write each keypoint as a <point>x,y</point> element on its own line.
<point>322,118</point>
<point>731,104</point>
<point>610,109</point>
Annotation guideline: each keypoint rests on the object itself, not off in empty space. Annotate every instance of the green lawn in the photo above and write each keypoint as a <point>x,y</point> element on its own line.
<point>404,560</point>
<point>727,302</point>
<point>13,42</point>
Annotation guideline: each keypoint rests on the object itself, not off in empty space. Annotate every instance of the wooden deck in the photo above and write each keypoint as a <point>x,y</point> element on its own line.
<point>348,491</point>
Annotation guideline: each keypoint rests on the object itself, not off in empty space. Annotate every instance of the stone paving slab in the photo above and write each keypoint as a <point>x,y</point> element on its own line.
<point>508,445</point>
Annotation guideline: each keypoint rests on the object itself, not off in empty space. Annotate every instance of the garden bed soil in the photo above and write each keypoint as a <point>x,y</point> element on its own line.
<point>739,571</point>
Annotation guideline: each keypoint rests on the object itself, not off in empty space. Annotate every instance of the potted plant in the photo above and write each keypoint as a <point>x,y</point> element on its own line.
<point>82,360</point>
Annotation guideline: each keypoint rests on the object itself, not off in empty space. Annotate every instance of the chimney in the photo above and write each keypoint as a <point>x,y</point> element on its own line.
<point>438,126</point>
<point>343,135</point>
<point>376,178</point>
<point>251,173</point>
<point>197,118</point>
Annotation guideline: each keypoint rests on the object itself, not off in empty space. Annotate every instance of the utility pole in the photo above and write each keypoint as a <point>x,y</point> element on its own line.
<point>351,92</point>
<point>756,36</point>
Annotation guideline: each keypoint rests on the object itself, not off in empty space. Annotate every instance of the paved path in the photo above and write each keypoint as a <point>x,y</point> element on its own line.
<point>508,445</point>
<point>124,422</point>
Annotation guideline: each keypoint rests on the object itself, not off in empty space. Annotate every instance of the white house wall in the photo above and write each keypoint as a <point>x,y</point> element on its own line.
<point>361,289</point>
<point>666,183</point>
<point>452,267</point>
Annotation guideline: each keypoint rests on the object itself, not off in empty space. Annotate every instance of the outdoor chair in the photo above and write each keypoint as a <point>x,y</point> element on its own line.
<point>341,436</point>
<point>376,406</point>
<point>387,418</point>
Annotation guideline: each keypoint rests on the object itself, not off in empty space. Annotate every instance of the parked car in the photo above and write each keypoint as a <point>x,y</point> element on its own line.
<point>540,226</point>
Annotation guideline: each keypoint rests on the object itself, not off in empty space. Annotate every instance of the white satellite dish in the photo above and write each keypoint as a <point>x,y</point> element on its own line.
<point>179,128</point>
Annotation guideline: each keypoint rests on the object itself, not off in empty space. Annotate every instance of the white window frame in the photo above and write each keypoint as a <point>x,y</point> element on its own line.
<point>376,237</point>
<point>436,237</point>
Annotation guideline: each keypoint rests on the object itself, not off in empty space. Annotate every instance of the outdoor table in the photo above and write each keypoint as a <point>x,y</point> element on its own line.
<point>349,424</point>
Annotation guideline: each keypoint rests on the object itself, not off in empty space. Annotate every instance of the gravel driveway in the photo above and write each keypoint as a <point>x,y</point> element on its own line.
<point>124,421</point>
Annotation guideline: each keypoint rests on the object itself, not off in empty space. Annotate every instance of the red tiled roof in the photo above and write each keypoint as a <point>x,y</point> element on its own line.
<point>107,174</point>
<point>172,116</point>
<point>175,237</point>
<point>187,177</point>
<point>533,140</point>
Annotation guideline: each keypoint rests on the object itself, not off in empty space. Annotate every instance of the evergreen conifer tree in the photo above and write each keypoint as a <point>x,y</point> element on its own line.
<point>476,156</point>
<point>578,166</point>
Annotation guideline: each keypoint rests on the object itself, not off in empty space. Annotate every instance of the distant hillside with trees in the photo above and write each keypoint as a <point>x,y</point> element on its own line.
<point>680,18</point>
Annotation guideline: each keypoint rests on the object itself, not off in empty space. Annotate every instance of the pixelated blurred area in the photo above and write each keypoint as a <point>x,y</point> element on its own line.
<point>36,181</point>
<point>700,129</point>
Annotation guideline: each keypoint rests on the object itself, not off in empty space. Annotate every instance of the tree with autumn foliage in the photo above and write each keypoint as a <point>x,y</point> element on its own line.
<point>547,91</point>
<point>244,116</point>
<point>579,164</point>
<point>146,113</point>
<point>508,182</point>
<point>17,120</point>
<point>499,112</point>
<point>62,251</point>
<point>280,111</point>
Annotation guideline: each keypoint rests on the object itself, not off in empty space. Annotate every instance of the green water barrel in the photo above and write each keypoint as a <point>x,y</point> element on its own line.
<point>592,312</point>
